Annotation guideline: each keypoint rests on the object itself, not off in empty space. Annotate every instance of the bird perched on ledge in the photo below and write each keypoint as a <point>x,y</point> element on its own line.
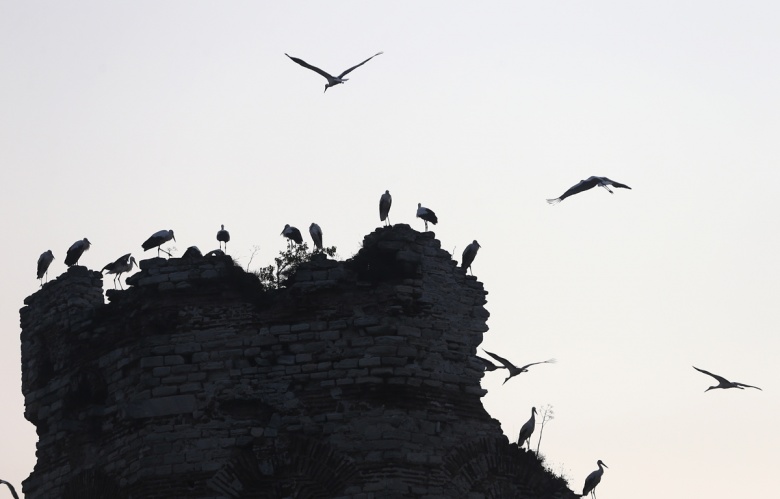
<point>158,239</point>
<point>121,265</point>
<point>223,236</point>
<point>514,371</point>
<point>43,265</point>
<point>427,215</point>
<point>724,383</point>
<point>384,207</point>
<point>589,183</point>
<point>469,254</point>
<point>593,479</point>
<point>292,234</point>
<point>76,250</point>
<point>316,235</point>
<point>527,430</point>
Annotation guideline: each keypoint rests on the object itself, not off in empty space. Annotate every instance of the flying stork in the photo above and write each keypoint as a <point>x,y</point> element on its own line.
<point>514,371</point>
<point>384,207</point>
<point>427,215</point>
<point>489,366</point>
<point>76,250</point>
<point>469,254</point>
<point>158,239</point>
<point>43,265</point>
<point>590,183</point>
<point>593,479</point>
<point>316,235</point>
<point>223,236</point>
<point>527,430</point>
<point>11,488</point>
<point>724,383</point>
<point>332,80</point>
<point>118,267</point>
<point>292,234</point>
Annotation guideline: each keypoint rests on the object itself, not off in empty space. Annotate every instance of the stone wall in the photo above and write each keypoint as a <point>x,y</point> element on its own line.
<point>357,380</point>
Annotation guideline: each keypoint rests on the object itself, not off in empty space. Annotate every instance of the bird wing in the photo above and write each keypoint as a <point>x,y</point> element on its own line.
<point>748,386</point>
<point>506,363</point>
<point>591,481</point>
<point>548,361</point>
<point>353,67</point>
<point>583,185</point>
<point>616,184</point>
<point>313,68</point>
<point>11,488</point>
<point>489,364</point>
<point>720,379</point>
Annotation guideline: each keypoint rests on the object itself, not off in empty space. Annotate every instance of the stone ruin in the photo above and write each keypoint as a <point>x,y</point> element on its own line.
<point>357,380</point>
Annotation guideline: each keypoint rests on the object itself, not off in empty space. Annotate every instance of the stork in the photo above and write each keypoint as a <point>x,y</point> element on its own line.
<point>11,488</point>
<point>469,254</point>
<point>121,265</point>
<point>427,215</point>
<point>223,236</point>
<point>76,250</point>
<point>590,183</point>
<point>593,479</point>
<point>292,234</point>
<point>384,207</point>
<point>489,366</point>
<point>724,383</point>
<point>43,265</point>
<point>332,80</point>
<point>316,235</point>
<point>158,239</point>
<point>514,371</point>
<point>527,430</point>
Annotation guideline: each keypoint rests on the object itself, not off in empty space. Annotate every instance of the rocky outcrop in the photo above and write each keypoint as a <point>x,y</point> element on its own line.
<point>356,380</point>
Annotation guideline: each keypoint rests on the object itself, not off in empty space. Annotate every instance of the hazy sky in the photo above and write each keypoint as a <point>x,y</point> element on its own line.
<point>118,119</point>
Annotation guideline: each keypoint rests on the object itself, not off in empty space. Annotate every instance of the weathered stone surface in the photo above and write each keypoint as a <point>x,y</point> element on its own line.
<point>356,381</point>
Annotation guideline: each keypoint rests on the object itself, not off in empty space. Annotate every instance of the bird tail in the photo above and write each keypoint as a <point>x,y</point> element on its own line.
<point>554,201</point>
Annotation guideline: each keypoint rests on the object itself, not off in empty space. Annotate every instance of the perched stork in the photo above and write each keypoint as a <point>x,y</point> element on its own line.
<point>514,371</point>
<point>192,252</point>
<point>76,250</point>
<point>724,383</point>
<point>527,430</point>
<point>316,235</point>
<point>292,234</point>
<point>590,183</point>
<point>158,239</point>
<point>122,264</point>
<point>332,80</point>
<point>469,254</point>
<point>43,265</point>
<point>223,236</point>
<point>11,488</point>
<point>489,366</point>
<point>593,479</point>
<point>384,207</point>
<point>427,215</point>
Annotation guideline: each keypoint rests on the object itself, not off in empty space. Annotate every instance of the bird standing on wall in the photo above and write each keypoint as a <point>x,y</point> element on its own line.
<point>43,265</point>
<point>121,265</point>
<point>223,236</point>
<point>11,488</point>
<point>427,215</point>
<point>527,430</point>
<point>593,479</point>
<point>316,235</point>
<point>292,234</point>
<point>332,80</point>
<point>469,254</point>
<point>158,239</point>
<point>76,250</point>
<point>514,371</point>
<point>384,207</point>
<point>590,183</point>
<point>724,383</point>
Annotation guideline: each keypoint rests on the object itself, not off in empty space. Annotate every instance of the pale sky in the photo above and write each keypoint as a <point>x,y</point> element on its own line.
<point>118,119</point>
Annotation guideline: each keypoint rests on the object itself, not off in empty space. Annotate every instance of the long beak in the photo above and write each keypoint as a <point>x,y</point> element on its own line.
<point>174,238</point>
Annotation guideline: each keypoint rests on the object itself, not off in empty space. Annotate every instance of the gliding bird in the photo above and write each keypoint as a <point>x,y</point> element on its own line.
<point>11,488</point>
<point>292,234</point>
<point>590,183</point>
<point>121,265</point>
<point>468,255</point>
<point>76,250</point>
<point>316,235</point>
<point>332,80</point>
<point>593,479</point>
<point>489,366</point>
<point>427,215</point>
<point>223,236</point>
<point>527,430</point>
<point>158,239</point>
<point>724,383</point>
<point>384,207</point>
<point>43,265</point>
<point>514,371</point>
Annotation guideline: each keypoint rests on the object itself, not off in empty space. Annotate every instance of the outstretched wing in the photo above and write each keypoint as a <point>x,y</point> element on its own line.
<point>313,68</point>
<point>11,488</point>
<point>720,379</point>
<point>616,184</point>
<point>748,386</point>
<point>506,363</point>
<point>342,75</point>
<point>548,361</point>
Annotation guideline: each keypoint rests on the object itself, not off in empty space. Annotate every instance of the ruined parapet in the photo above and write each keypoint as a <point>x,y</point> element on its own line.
<point>356,380</point>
